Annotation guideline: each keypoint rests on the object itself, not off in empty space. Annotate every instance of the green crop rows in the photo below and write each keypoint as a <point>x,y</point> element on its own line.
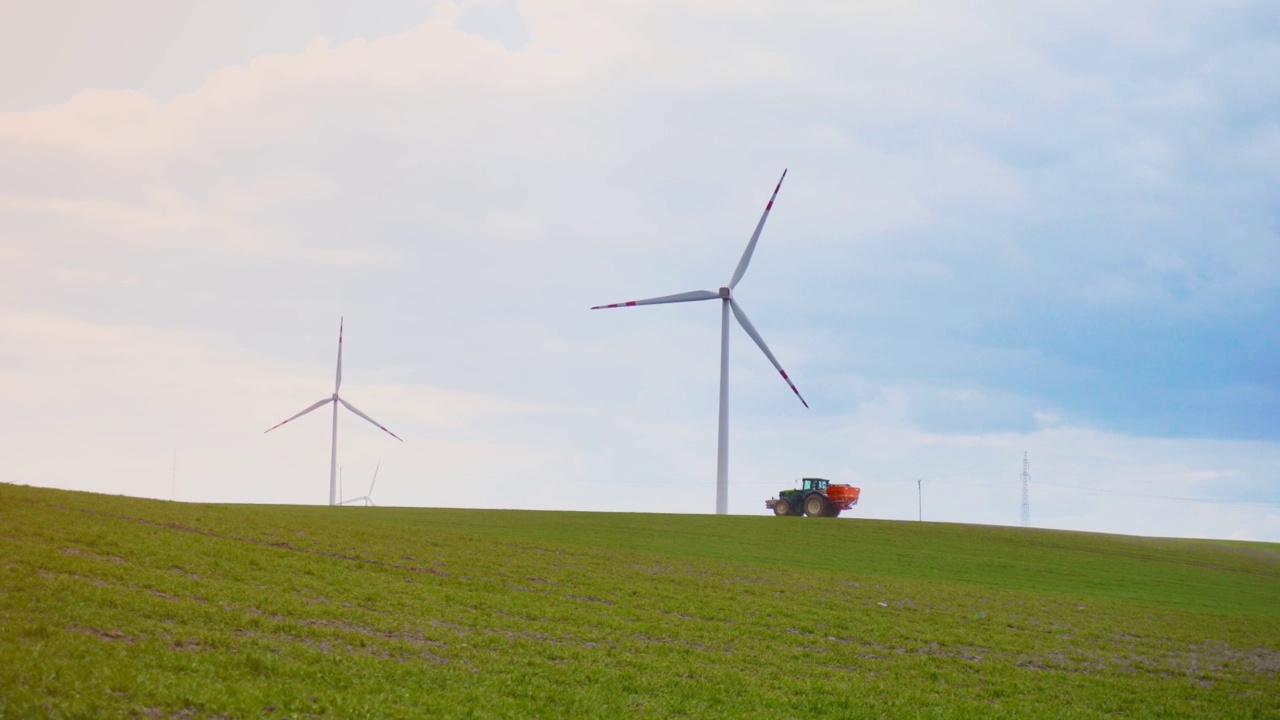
<point>117,607</point>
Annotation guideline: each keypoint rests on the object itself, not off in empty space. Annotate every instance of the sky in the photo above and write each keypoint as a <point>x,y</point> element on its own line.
<point>1046,228</point>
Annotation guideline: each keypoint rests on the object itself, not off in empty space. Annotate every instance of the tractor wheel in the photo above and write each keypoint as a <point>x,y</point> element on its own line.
<point>816,505</point>
<point>782,508</point>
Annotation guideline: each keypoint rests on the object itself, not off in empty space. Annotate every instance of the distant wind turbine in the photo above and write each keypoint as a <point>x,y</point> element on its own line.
<point>367,497</point>
<point>727,303</point>
<point>336,400</point>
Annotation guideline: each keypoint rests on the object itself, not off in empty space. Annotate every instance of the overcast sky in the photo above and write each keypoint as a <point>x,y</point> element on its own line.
<point>1049,227</point>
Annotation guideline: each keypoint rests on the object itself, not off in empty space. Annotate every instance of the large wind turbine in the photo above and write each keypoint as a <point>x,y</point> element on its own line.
<point>727,303</point>
<point>336,400</point>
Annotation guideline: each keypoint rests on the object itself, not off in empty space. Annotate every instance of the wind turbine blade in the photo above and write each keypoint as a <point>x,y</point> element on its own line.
<point>681,297</point>
<point>751,330</point>
<point>375,478</point>
<point>353,409</point>
<point>337,380</point>
<point>755,236</point>
<point>319,403</point>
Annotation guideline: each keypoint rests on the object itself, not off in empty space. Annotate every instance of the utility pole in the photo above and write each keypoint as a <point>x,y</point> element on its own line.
<point>920,500</point>
<point>1026,502</point>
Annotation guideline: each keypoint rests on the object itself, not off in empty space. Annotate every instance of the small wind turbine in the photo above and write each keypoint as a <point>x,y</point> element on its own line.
<point>336,400</point>
<point>367,497</point>
<point>727,303</point>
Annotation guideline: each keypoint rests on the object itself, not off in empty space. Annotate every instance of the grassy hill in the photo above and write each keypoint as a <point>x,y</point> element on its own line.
<point>119,607</point>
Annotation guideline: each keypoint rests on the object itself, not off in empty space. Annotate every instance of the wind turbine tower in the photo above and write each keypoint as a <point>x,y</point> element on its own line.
<point>1026,502</point>
<point>727,303</point>
<point>336,400</point>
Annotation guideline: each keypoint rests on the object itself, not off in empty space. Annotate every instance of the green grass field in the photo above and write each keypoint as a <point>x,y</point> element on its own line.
<point>118,607</point>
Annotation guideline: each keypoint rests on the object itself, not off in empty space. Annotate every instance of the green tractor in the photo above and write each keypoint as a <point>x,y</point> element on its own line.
<point>816,498</point>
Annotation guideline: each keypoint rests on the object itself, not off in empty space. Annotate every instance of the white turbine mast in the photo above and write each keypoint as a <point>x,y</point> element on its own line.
<point>336,400</point>
<point>367,497</point>
<point>727,303</point>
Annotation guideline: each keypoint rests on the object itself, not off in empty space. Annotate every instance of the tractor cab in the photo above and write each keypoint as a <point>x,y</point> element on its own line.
<point>811,484</point>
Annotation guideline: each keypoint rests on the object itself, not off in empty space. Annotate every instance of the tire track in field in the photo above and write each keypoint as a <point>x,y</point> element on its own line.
<point>262,543</point>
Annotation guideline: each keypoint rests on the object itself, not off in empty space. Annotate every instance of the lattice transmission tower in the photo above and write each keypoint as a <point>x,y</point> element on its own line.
<point>1026,501</point>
